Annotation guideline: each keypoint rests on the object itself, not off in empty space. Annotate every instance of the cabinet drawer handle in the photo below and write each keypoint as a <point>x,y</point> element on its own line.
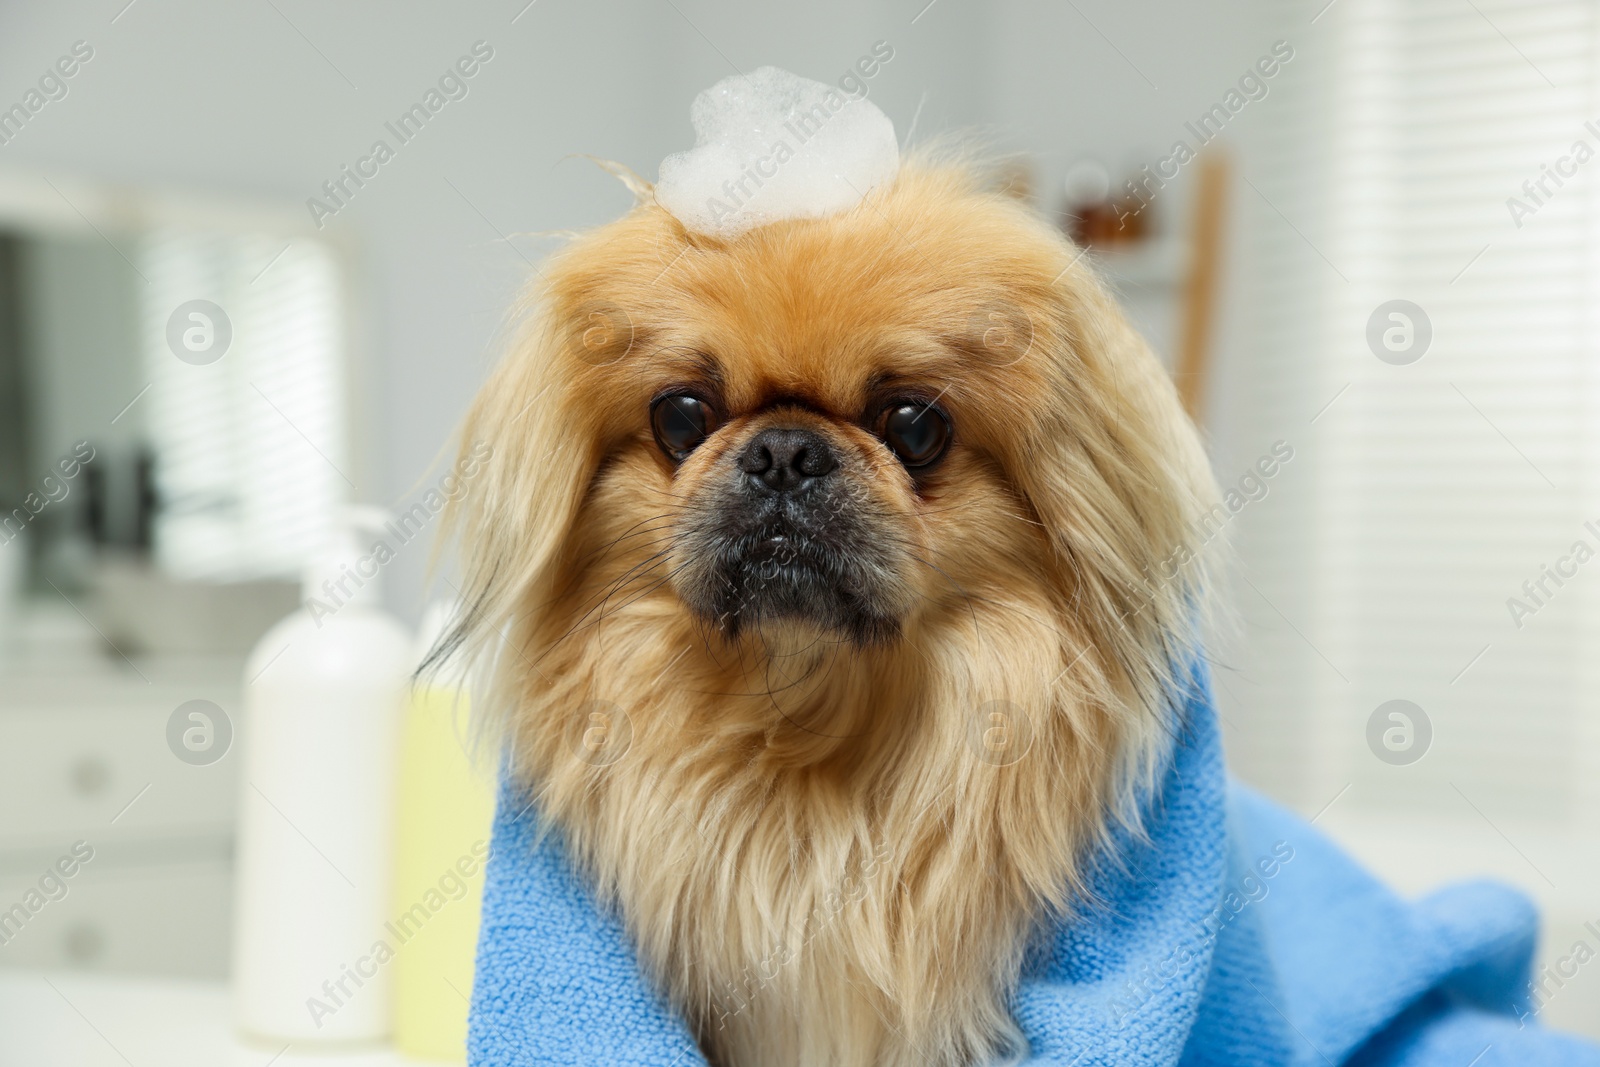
<point>85,943</point>
<point>90,776</point>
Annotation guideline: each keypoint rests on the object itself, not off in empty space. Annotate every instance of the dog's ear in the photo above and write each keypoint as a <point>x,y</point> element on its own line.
<point>1116,473</point>
<point>538,447</point>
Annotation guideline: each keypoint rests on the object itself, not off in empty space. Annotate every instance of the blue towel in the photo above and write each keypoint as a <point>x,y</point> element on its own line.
<point>1234,934</point>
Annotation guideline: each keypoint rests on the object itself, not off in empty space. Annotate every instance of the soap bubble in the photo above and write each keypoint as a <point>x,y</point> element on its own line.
<point>772,145</point>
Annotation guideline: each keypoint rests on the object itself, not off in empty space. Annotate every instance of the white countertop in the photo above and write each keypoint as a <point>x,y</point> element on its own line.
<point>62,1019</point>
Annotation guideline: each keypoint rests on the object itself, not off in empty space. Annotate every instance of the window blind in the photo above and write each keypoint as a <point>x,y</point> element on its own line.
<point>1426,492</point>
<point>250,445</point>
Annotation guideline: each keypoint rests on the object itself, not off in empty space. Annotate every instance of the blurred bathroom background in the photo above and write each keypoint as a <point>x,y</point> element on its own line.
<point>1375,259</point>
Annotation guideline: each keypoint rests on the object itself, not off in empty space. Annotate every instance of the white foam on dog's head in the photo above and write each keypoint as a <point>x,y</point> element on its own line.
<point>772,145</point>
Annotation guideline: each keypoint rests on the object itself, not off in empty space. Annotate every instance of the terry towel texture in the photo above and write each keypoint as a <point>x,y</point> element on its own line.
<point>1235,935</point>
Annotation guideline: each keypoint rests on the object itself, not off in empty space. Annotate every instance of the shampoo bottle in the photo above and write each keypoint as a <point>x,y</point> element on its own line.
<point>325,691</point>
<point>446,812</point>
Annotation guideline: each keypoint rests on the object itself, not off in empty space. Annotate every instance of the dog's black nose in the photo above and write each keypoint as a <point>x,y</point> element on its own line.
<point>782,460</point>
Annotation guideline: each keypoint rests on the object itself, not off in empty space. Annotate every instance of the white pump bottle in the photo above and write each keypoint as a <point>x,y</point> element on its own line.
<point>324,695</point>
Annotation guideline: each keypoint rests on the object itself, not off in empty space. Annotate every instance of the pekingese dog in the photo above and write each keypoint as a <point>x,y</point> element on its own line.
<point>842,575</point>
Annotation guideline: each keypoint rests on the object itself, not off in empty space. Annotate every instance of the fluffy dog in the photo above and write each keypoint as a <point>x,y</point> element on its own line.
<point>841,576</point>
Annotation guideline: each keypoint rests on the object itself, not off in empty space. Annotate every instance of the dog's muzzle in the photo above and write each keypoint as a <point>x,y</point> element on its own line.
<point>788,533</point>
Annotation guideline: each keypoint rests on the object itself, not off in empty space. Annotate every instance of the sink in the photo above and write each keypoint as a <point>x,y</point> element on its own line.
<point>143,610</point>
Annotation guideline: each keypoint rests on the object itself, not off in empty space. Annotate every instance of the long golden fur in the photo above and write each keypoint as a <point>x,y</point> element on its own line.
<point>826,846</point>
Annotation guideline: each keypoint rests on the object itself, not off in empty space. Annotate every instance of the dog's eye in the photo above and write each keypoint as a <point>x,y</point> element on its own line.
<point>680,423</point>
<point>917,432</point>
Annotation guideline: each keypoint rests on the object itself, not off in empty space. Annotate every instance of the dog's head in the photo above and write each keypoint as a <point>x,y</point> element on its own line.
<point>866,430</point>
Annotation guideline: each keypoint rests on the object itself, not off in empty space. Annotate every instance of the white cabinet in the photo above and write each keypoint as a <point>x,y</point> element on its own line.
<point>84,757</point>
<point>169,918</point>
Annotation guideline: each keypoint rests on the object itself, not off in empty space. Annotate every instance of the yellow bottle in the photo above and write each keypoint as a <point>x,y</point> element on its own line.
<point>446,808</point>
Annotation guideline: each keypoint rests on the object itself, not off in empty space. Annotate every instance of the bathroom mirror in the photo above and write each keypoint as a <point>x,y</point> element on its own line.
<point>174,415</point>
